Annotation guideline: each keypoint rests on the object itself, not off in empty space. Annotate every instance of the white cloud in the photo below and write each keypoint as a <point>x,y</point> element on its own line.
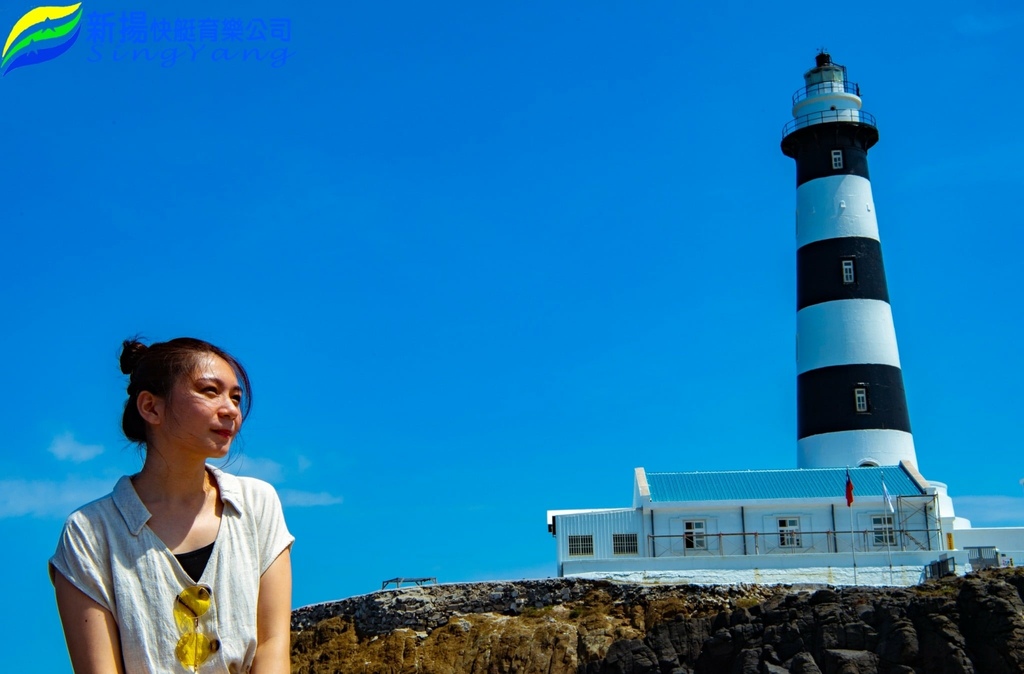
<point>66,448</point>
<point>48,498</point>
<point>990,510</point>
<point>251,466</point>
<point>306,499</point>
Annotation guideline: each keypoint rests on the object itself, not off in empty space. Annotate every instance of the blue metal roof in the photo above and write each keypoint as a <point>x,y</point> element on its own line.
<point>779,484</point>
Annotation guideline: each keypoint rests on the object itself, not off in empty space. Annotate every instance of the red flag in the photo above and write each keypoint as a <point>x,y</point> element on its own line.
<point>849,490</point>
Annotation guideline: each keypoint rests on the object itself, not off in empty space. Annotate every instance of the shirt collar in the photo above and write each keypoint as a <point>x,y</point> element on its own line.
<point>128,502</point>
<point>230,488</point>
<point>134,511</point>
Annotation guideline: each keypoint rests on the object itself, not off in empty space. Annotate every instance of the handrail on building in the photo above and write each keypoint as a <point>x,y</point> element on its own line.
<point>797,542</point>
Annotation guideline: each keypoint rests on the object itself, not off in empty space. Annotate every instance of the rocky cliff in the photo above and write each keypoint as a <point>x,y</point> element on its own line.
<point>952,626</point>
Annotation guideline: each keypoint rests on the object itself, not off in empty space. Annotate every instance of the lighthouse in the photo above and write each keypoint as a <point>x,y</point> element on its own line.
<point>851,404</point>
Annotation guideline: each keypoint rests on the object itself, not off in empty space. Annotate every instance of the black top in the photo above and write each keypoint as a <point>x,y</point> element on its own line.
<point>195,562</point>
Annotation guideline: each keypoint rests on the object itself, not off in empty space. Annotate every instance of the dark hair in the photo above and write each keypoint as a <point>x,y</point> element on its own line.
<point>157,367</point>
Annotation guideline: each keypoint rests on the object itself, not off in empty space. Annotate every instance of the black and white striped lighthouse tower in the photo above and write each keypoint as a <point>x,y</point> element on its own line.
<point>851,405</point>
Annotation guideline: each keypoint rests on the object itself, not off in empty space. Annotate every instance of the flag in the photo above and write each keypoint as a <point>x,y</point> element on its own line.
<point>888,499</point>
<point>849,489</point>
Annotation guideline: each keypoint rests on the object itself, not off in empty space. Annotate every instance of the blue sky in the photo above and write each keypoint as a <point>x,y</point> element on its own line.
<point>482,260</point>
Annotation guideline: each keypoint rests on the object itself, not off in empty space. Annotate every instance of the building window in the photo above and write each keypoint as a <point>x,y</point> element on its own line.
<point>860,399</point>
<point>883,533</point>
<point>624,544</point>
<point>848,276</point>
<point>693,535</point>
<point>837,159</point>
<point>581,546</point>
<point>789,532</point>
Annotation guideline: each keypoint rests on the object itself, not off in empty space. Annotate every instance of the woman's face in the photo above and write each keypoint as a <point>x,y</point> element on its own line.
<point>204,408</point>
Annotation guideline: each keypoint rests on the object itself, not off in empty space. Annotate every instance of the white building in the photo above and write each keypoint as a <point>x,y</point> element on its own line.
<point>796,525</point>
<point>775,526</point>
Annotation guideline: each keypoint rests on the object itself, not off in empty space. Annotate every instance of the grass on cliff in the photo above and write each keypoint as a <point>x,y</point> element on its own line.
<point>595,602</point>
<point>747,602</point>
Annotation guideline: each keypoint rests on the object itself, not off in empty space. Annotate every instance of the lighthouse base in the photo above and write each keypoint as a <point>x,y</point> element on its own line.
<point>872,447</point>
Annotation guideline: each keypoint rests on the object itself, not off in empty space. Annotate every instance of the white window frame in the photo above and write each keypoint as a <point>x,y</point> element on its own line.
<point>883,530</point>
<point>837,159</point>
<point>625,544</point>
<point>860,399</point>
<point>695,535</point>
<point>849,275</point>
<point>581,545</point>
<point>789,532</point>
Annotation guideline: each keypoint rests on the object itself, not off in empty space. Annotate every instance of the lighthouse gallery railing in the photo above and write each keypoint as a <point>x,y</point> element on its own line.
<point>844,115</point>
<point>832,87</point>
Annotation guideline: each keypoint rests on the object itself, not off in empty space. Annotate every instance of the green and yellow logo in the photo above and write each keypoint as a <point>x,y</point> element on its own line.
<point>43,34</point>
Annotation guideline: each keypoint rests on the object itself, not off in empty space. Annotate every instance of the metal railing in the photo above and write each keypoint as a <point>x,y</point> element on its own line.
<point>940,568</point>
<point>842,87</point>
<point>981,557</point>
<point>792,542</point>
<point>397,582</point>
<point>845,115</point>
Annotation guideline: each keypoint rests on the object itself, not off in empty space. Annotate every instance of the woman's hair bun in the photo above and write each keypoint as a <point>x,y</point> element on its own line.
<point>131,353</point>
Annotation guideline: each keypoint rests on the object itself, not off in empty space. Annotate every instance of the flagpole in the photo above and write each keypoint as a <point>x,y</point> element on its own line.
<point>849,504</point>
<point>888,505</point>
<point>853,546</point>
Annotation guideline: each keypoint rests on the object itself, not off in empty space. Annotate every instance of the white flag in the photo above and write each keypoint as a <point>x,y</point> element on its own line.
<point>888,499</point>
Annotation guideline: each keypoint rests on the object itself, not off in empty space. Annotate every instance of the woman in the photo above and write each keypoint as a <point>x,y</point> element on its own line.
<point>182,567</point>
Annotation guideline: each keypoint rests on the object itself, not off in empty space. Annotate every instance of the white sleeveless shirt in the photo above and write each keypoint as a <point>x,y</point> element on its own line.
<point>107,551</point>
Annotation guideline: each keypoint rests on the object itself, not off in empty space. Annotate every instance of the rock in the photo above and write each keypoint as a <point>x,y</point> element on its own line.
<point>575,626</point>
<point>630,657</point>
<point>803,663</point>
<point>769,655</point>
<point>747,662</point>
<point>859,636</point>
<point>900,645</point>
<point>993,625</point>
<point>941,646</point>
<point>824,597</point>
<point>842,661</point>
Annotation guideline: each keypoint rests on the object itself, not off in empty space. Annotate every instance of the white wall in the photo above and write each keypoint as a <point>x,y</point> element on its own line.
<point>602,525</point>
<point>1009,540</point>
<point>872,569</point>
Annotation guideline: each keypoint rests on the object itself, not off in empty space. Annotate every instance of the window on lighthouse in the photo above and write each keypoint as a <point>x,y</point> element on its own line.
<point>860,399</point>
<point>848,276</point>
<point>837,159</point>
